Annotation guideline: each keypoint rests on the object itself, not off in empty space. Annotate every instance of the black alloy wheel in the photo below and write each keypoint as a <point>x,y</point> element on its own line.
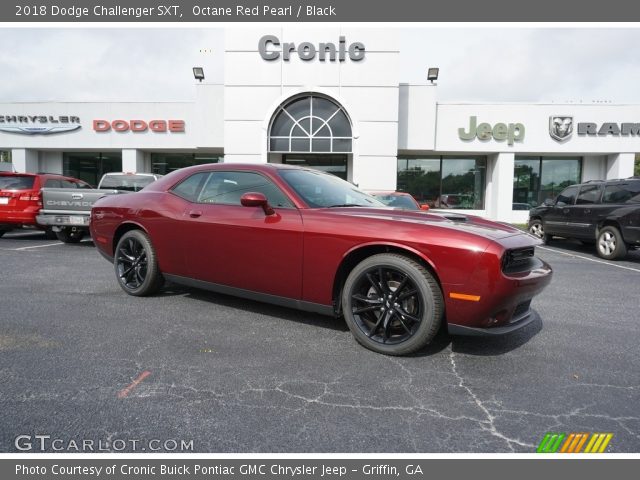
<point>392,304</point>
<point>136,265</point>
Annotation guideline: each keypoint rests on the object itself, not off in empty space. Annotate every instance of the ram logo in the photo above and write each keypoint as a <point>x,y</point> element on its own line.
<point>560,127</point>
<point>76,196</point>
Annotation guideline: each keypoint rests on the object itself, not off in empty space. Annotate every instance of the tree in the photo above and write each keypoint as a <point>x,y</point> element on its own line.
<point>636,169</point>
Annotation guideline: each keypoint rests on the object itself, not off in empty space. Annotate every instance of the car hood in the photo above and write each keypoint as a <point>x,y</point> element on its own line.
<point>464,223</point>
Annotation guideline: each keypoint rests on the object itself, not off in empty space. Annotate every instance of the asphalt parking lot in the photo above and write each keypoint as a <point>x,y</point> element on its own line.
<point>81,360</point>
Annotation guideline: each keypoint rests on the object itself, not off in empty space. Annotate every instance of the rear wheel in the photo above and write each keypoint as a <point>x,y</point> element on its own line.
<point>68,236</point>
<point>136,264</point>
<point>392,304</point>
<point>610,244</point>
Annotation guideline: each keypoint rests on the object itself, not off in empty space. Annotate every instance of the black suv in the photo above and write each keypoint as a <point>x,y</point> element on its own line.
<point>604,212</point>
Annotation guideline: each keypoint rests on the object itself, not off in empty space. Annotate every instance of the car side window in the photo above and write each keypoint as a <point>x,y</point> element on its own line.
<point>588,194</point>
<point>567,197</point>
<point>629,193</point>
<point>70,184</point>
<point>227,187</point>
<point>52,183</point>
<point>190,187</point>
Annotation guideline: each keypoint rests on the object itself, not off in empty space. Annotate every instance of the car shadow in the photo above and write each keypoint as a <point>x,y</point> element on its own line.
<point>483,346</point>
<point>589,250</point>
<point>284,313</point>
<point>25,236</point>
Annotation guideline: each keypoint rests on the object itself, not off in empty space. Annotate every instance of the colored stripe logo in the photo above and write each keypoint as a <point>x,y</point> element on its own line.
<point>574,442</point>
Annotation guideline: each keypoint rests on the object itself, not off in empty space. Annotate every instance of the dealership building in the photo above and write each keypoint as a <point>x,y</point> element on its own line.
<point>331,98</point>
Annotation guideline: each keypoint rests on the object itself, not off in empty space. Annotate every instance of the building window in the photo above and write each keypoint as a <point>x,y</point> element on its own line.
<point>90,166</point>
<point>310,124</point>
<point>538,178</point>
<point>5,156</point>
<point>163,163</point>
<point>444,182</point>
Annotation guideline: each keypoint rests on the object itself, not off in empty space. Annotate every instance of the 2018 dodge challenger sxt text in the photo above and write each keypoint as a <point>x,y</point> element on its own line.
<point>309,240</point>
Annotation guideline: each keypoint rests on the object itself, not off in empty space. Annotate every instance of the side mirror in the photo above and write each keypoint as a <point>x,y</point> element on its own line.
<point>255,199</point>
<point>424,206</point>
<point>548,202</point>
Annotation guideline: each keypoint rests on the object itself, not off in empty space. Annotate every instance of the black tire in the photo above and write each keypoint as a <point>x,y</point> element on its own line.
<point>610,244</point>
<point>537,230</point>
<point>67,236</point>
<point>2,232</point>
<point>398,315</point>
<point>136,266</point>
<point>49,234</point>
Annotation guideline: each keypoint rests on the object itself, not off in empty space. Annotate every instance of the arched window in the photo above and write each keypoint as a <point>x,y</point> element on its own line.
<point>310,124</point>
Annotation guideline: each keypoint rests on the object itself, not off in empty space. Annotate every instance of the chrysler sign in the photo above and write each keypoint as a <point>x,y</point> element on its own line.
<point>38,124</point>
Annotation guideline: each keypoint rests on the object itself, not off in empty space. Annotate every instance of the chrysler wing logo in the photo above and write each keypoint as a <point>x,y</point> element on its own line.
<point>38,130</point>
<point>560,127</point>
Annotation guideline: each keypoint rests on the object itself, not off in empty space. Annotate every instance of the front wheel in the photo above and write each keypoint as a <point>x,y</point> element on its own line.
<point>610,244</point>
<point>392,304</point>
<point>69,236</point>
<point>136,264</point>
<point>537,229</point>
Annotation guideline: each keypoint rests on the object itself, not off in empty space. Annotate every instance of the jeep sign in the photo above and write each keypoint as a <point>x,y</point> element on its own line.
<point>512,132</point>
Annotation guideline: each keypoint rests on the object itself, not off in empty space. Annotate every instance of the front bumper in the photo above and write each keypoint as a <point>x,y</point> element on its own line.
<point>513,326</point>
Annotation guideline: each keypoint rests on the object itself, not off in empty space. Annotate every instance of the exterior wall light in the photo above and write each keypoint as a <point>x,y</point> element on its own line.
<point>432,74</point>
<point>198,73</point>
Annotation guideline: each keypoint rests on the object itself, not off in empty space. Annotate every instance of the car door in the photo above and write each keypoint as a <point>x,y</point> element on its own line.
<point>243,247</point>
<point>581,217</point>
<point>556,218</point>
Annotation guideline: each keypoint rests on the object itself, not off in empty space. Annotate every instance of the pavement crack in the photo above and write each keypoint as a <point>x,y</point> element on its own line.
<point>488,424</point>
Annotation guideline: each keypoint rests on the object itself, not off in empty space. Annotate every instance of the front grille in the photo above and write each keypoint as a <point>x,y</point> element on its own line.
<point>518,260</point>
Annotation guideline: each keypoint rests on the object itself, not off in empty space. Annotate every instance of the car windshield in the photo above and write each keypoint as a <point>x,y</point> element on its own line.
<point>398,201</point>
<point>321,190</point>
<point>129,183</point>
<point>16,182</point>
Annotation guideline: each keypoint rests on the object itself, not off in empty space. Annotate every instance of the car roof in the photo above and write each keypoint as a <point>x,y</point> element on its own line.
<point>146,174</point>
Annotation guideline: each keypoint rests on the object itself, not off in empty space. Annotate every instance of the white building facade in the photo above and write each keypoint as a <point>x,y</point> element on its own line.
<point>331,98</point>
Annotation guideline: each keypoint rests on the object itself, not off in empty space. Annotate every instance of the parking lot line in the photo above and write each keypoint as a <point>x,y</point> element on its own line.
<point>36,246</point>
<point>590,259</point>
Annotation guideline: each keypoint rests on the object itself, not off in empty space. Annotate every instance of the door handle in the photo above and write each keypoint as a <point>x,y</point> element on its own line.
<point>195,213</point>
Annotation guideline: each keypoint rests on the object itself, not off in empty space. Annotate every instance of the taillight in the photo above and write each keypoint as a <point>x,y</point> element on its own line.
<point>31,197</point>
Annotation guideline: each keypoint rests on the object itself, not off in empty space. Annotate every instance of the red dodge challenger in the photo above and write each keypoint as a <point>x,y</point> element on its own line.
<point>305,239</point>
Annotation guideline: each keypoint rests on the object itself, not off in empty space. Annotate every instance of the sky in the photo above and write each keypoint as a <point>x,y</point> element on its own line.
<point>559,65</point>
